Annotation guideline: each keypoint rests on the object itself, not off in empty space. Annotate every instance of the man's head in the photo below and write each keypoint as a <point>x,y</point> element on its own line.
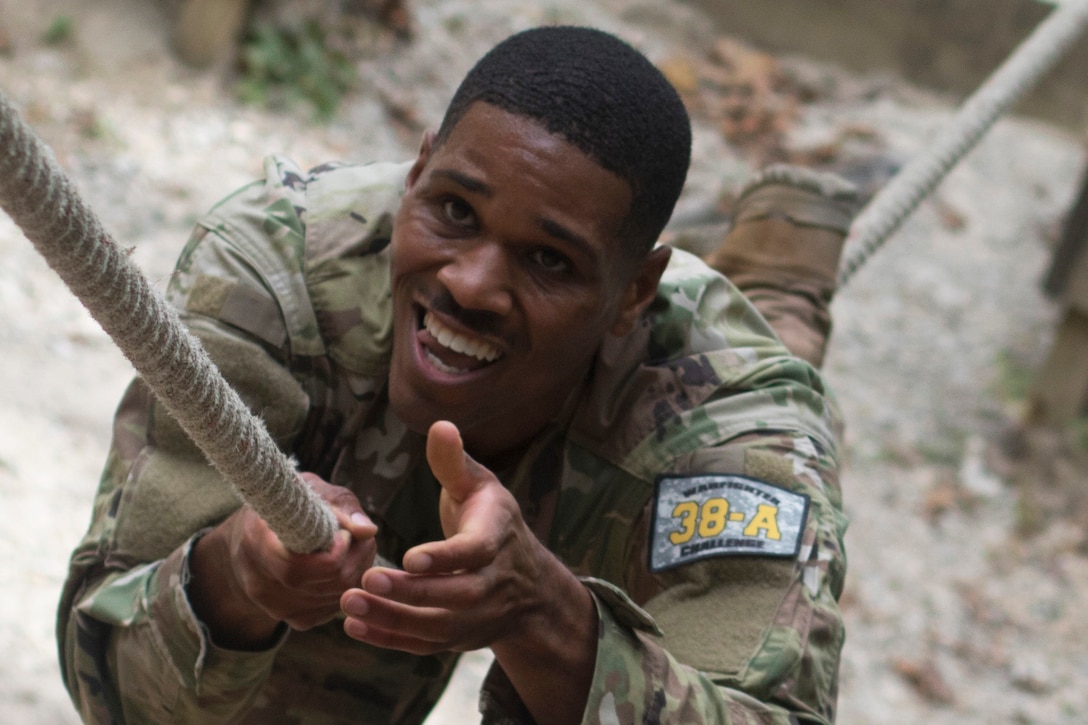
<point>601,95</point>
<point>512,252</point>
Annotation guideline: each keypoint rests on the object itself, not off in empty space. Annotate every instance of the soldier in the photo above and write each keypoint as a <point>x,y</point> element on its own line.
<point>584,451</point>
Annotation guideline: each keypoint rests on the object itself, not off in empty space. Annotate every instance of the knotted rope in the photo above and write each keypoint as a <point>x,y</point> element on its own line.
<point>882,216</point>
<point>42,201</point>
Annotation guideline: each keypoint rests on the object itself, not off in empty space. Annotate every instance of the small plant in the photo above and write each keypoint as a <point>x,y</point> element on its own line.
<point>1015,376</point>
<point>1029,517</point>
<point>1079,429</point>
<point>282,67</point>
<point>59,31</point>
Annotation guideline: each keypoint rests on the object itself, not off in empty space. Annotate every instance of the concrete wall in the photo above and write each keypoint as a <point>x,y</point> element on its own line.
<point>946,45</point>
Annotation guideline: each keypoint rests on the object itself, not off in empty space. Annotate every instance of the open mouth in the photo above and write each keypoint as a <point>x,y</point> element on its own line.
<point>451,352</point>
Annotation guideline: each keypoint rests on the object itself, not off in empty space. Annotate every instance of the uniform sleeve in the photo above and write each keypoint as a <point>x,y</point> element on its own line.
<point>734,638</point>
<point>130,645</point>
<point>138,653</point>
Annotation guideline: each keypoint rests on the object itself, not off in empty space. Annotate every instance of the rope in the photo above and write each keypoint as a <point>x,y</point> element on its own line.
<point>41,200</point>
<point>1020,71</point>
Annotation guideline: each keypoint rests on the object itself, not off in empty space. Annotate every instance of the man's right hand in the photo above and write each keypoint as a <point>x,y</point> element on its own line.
<point>244,582</point>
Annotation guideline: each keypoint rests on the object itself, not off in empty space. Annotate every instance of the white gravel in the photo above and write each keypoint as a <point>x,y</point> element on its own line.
<point>952,617</point>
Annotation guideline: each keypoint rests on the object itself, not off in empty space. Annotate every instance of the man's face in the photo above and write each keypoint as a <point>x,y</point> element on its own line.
<point>507,272</point>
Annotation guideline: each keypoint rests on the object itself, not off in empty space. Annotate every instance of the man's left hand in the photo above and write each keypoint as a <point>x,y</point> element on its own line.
<point>482,584</point>
<point>490,583</point>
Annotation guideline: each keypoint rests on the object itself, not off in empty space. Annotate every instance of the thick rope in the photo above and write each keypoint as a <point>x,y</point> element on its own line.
<point>41,200</point>
<point>883,215</point>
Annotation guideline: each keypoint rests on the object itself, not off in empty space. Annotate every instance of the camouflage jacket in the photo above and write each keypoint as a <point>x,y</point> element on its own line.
<point>691,482</point>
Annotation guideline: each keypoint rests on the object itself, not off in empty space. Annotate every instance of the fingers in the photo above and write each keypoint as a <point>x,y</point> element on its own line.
<point>477,531</point>
<point>349,513</point>
<point>458,473</point>
<point>303,588</point>
<point>392,638</point>
<point>448,591</point>
<point>475,509</point>
<point>390,624</point>
<point>466,550</point>
<point>303,612</point>
<point>340,565</point>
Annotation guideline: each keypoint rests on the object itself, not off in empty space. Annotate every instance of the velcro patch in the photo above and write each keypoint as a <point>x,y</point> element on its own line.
<point>718,514</point>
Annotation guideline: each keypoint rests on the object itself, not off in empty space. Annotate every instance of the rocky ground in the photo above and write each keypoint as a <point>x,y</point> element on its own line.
<point>968,552</point>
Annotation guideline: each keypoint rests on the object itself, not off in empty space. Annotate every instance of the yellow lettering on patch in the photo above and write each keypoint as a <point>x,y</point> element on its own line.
<point>714,515</point>
<point>712,518</point>
<point>766,519</point>
<point>687,512</point>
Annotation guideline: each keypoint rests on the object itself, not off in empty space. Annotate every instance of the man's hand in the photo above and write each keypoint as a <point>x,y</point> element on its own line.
<point>245,582</point>
<point>490,583</point>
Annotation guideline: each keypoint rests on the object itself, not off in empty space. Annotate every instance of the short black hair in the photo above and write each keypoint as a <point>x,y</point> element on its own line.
<point>601,95</point>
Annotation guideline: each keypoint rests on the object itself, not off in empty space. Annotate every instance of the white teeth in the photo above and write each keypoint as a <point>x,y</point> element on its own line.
<point>448,369</point>
<point>459,343</point>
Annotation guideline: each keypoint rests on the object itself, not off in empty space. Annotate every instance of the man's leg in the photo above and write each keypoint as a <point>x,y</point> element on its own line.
<point>783,251</point>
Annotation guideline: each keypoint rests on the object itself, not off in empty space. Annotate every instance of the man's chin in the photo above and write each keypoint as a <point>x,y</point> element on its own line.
<point>415,414</point>
<point>418,411</point>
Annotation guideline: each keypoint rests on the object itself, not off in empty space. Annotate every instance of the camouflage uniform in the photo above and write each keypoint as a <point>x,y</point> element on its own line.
<point>691,482</point>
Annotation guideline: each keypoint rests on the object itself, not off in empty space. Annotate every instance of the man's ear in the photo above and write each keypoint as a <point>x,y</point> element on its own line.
<point>641,290</point>
<point>426,146</point>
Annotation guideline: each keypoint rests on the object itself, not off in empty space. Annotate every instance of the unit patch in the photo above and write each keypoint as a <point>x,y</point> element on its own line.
<point>697,517</point>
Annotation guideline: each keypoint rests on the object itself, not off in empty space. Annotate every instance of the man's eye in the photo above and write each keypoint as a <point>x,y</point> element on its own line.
<point>458,212</point>
<point>550,260</point>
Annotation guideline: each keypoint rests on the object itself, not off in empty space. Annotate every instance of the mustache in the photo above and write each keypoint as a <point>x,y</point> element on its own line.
<point>481,322</point>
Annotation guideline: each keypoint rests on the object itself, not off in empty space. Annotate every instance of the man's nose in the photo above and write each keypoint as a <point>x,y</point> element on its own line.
<point>479,278</point>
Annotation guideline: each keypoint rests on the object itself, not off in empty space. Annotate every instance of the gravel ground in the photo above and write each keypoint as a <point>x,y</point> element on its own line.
<point>965,576</point>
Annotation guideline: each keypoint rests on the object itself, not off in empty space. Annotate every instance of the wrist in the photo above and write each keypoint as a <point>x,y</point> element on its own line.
<point>218,599</point>
<point>554,648</point>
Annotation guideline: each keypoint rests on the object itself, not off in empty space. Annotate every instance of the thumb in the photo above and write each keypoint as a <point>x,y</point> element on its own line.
<point>458,473</point>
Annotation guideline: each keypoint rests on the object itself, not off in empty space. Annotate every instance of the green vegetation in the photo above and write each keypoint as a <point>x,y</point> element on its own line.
<point>1029,516</point>
<point>59,31</point>
<point>945,449</point>
<point>283,67</point>
<point>1014,376</point>
<point>1080,432</point>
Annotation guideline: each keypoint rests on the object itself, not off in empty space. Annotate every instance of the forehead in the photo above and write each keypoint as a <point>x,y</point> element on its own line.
<point>498,152</point>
